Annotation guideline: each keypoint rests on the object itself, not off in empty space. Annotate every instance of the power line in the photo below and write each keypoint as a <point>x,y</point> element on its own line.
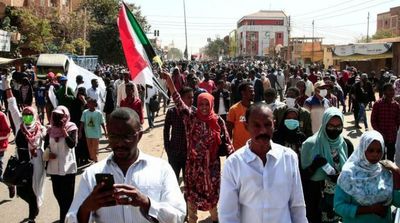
<point>346,7</point>
<point>323,18</point>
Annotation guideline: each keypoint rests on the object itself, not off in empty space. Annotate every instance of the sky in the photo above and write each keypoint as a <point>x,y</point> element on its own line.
<point>337,21</point>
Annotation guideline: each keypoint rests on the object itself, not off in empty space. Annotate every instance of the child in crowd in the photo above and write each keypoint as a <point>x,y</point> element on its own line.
<point>91,121</point>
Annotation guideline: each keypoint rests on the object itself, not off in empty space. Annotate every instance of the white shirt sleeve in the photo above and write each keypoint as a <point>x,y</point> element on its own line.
<point>82,193</point>
<point>172,207</point>
<point>296,203</point>
<point>15,114</point>
<point>228,205</point>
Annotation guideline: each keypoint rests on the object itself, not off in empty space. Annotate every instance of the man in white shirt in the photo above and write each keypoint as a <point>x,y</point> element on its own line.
<point>121,93</point>
<point>145,189</point>
<point>271,99</point>
<point>261,182</point>
<point>95,93</point>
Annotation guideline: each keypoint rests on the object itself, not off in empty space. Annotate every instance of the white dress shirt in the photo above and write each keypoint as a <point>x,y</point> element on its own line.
<point>154,178</point>
<point>258,193</point>
<point>96,95</point>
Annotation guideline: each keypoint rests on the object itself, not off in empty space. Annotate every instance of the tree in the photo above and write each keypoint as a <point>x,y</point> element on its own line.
<point>383,34</point>
<point>216,48</point>
<point>174,54</point>
<point>104,35</point>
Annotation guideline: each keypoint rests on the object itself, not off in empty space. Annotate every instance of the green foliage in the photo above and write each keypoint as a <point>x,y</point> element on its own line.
<point>104,34</point>
<point>216,48</point>
<point>383,34</point>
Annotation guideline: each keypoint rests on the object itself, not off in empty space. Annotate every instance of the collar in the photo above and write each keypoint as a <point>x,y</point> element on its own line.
<point>250,156</point>
<point>141,158</point>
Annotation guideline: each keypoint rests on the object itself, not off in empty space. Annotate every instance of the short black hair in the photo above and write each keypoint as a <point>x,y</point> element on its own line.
<point>125,114</point>
<point>295,90</point>
<point>252,108</point>
<point>387,86</point>
<point>242,87</point>
<point>129,85</point>
<point>220,82</point>
<point>270,92</point>
<point>185,90</point>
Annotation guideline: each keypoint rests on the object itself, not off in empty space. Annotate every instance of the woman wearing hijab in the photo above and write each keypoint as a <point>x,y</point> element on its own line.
<point>289,134</point>
<point>322,158</point>
<point>366,189</point>
<point>61,140</point>
<point>29,146</point>
<point>203,168</point>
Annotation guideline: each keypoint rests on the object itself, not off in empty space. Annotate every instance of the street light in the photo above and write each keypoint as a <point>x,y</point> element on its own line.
<point>186,47</point>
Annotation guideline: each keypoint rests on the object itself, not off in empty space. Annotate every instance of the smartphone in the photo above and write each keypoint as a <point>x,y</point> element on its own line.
<point>108,180</point>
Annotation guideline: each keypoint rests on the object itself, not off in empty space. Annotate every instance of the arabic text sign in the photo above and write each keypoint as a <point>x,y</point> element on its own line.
<point>363,49</point>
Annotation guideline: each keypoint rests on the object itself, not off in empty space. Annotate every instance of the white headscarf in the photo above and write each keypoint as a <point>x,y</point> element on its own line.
<point>367,183</point>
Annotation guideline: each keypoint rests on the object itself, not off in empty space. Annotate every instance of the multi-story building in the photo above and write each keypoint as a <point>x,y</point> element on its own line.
<point>389,21</point>
<point>261,33</point>
<point>63,6</point>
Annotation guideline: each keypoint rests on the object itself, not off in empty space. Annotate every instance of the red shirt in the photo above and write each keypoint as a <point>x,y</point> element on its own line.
<point>209,86</point>
<point>135,105</point>
<point>385,118</point>
<point>4,131</point>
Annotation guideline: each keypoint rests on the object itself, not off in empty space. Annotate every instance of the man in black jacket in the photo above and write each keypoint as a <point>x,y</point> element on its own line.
<point>258,86</point>
<point>221,100</point>
<point>362,93</point>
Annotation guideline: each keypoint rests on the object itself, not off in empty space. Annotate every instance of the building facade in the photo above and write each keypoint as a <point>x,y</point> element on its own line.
<point>389,21</point>
<point>262,33</point>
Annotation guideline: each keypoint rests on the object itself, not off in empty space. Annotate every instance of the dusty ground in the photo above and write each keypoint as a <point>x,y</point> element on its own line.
<point>16,210</point>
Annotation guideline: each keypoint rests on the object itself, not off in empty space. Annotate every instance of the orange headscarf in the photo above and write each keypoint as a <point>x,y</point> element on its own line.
<point>212,121</point>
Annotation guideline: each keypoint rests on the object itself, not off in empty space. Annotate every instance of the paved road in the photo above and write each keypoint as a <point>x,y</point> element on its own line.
<point>16,210</point>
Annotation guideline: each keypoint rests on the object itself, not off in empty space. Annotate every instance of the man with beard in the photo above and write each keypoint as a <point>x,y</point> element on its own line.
<point>145,189</point>
<point>261,182</point>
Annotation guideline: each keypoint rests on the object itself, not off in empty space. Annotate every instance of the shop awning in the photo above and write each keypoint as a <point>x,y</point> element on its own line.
<point>6,60</point>
<point>364,57</point>
<point>52,60</point>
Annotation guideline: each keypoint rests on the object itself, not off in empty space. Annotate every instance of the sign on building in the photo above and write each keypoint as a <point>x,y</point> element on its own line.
<point>5,38</point>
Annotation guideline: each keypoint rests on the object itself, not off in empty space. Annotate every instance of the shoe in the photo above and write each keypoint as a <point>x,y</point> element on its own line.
<point>11,191</point>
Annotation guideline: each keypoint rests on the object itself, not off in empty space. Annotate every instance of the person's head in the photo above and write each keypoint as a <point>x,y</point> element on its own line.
<point>81,91</point>
<point>220,84</point>
<point>50,76</point>
<point>205,103</point>
<point>63,80</point>
<point>370,149</point>
<point>260,124</point>
<point>107,81</point>
<point>206,76</point>
<point>320,89</point>
<point>95,83</point>
<point>127,76</point>
<point>301,85</point>
<point>40,83</point>
<point>28,115</point>
<point>332,123</point>
<point>79,79</point>
<point>291,118</point>
<point>252,74</point>
<point>246,89</point>
<point>175,71</point>
<point>270,95</point>
<point>59,116</point>
<point>388,91</point>
<point>187,96</point>
<point>364,77</point>
<point>129,89</point>
<point>291,95</point>
<point>124,133</point>
<point>91,103</point>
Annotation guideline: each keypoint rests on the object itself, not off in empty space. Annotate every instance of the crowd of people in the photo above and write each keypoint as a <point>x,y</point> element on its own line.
<point>279,125</point>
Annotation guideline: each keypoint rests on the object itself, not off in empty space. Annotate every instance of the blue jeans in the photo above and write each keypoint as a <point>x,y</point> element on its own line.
<point>362,115</point>
<point>1,165</point>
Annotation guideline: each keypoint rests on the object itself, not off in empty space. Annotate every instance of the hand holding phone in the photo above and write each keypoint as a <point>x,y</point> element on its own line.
<point>107,179</point>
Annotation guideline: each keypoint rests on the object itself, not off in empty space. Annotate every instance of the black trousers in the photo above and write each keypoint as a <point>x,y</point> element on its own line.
<point>63,189</point>
<point>312,197</point>
<point>390,150</point>
<point>27,194</point>
<point>178,165</point>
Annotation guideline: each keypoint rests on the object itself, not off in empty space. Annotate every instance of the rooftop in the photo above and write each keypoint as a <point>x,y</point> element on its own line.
<point>265,14</point>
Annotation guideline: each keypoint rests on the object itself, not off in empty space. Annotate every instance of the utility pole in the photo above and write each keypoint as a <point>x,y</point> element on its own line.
<point>312,53</point>
<point>84,30</point>
<point>368,28</point>
<point>288,46</point>
<point>185,54</point>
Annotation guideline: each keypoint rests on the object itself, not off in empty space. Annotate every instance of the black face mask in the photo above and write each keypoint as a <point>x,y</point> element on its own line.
<point>333,134</point>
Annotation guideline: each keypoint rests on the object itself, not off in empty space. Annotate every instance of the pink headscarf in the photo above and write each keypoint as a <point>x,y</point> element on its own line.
<point>57,132</point>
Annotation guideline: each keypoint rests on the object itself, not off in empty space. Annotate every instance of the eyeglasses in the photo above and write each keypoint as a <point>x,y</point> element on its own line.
<point>124,138</point>
<point>334,128</point>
